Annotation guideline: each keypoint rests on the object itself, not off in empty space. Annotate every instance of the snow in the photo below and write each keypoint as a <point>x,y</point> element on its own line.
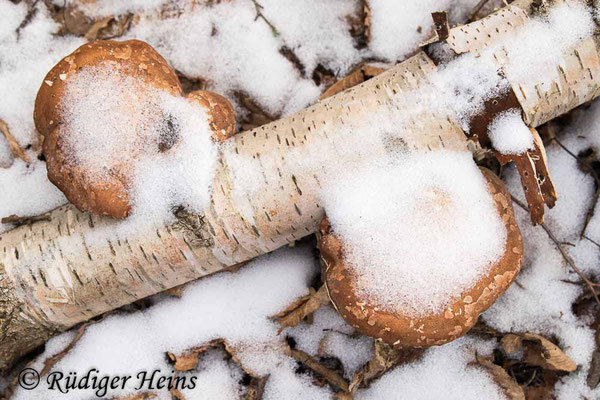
<point>252,64</point>
<point>24,61</point>
<point>105,8</point>
<point>35,194</point>
<point>542,300</point>
<point>234,306</point>
<point>226,44</point>
<point>443,371</point>
<point>409,23</point>
<point>509,134</point>
<point>404,260</point>
<point>318,33</point>
<point>541,42</point>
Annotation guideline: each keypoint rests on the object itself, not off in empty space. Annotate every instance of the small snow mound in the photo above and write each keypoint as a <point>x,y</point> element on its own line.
<point>509,134</point>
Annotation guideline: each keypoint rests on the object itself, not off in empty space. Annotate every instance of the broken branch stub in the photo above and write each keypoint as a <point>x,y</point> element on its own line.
<point>57,273</point>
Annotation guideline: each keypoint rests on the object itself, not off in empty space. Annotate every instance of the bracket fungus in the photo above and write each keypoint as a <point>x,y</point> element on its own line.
<point>142,79</point>
<point>399,326</point>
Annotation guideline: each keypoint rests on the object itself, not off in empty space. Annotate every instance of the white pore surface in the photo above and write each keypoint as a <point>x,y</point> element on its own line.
<point>417,232</point>
<point>509,134</point>
<point>115,122</point>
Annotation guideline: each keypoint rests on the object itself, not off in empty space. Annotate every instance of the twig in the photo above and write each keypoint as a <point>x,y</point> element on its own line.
<point>18,221</point>
<point>564,254</point>
<point>591,240</point>
<point>258,7</point>
<point>15,149</point>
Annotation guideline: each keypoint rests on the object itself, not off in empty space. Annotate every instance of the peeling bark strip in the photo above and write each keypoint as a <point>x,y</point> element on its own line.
<point>57,273</point>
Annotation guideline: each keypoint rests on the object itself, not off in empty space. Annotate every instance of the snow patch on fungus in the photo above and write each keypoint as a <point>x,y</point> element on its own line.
<point>160,145</point>
<point>404,258</point>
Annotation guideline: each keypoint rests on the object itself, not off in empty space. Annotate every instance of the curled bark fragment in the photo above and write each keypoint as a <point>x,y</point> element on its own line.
<point>356,77</point>
<point>440,20</point>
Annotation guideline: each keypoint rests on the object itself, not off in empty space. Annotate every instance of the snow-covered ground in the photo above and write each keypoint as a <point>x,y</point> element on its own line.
<point>235,47</point>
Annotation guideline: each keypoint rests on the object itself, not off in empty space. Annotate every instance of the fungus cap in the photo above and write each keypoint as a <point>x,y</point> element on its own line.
<point>131,59</point>
<point>403,330</point>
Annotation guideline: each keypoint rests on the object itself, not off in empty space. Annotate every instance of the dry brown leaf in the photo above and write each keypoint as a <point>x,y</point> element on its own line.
<point>367,11</point>
<point>301,308</point>
<point>94,32</point>
<point>385,357</point>
<point>511,388</point>
<point>176,291</point>
<point>356,77</point>
<point>538,351</point>
<point>15,149</point>
<point>109,27</point>
<point>330,376</point>
<point>256,388</point>
<point>186,361</point>
<point>593,377</point>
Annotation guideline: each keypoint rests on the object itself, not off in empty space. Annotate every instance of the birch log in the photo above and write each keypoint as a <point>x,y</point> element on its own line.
<point>57,273</point>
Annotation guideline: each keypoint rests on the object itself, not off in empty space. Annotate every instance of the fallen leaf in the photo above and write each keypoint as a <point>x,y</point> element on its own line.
<point>109,27</point>
<point>14,146</point>
<point>176,291</point>
<point>256,388</point>
<point>94,31</point>
<point>186,361</point>
<point>593,377</point>
<point>538,351</point>
<point>301,308</point>
<point>385,357</point>
<point>356,77</point>
<point>511,388</point>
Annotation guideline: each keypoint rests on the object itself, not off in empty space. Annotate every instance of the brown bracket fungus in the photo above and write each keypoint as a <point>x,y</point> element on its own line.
<point>401,329</point>
<point>133,60</point>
